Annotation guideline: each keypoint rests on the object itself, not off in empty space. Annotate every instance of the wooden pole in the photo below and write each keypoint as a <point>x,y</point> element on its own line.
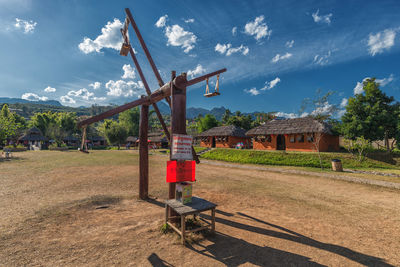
<point>144,153</point>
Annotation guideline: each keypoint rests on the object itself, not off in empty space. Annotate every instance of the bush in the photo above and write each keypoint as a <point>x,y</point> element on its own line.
<point>300,159</point>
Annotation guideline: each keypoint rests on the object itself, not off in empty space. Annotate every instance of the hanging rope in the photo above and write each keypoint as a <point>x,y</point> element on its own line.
<point>207,87</point>
<point>217,85</point>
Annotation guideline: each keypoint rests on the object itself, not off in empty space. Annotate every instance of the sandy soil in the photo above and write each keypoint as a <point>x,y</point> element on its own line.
<point>75,209</point>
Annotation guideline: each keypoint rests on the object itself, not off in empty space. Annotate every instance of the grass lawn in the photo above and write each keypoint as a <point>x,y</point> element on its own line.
<point>299,159</point>
<point>75,209</point>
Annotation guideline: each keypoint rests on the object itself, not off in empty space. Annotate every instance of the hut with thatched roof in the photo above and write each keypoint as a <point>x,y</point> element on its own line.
<point>300,134</point>
<point>33,139</point>
<point>224,137</point>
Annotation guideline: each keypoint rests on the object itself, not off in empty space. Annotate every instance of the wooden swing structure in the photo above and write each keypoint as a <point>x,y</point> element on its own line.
<point>216,90</point>
<point>174,92</point>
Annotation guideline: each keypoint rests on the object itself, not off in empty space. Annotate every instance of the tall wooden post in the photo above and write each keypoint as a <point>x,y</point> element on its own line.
<point>178,122</point>
<point>144,153</point>
<point>178,117</point>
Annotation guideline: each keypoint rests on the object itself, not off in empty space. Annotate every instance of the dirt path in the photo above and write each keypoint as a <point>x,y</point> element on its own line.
<point>309,173</point>
<point>72,209</point>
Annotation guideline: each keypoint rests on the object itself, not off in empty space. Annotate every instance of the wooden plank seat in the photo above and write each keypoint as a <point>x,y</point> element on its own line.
<point>197,206</point>
<point>212,94</point>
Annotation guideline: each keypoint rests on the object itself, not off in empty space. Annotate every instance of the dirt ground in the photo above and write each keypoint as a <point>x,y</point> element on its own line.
<point>69,208</point>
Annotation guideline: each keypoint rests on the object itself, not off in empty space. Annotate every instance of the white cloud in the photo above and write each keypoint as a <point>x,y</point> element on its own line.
<point>33,97</point>
<point>95,85</point>
<point>234,31</point>
<point>49,89</point>
<point>99,98</point>
<point>82,93</point>
<point>161,21</point>
<point>322,59</point>
<point>228,50</point>
<point>257,28</point>
<point>129,72</point>
<point>383,82</point>
<point>289,44</point>
<point>278,57</point>
<point>324,109</point>
<point>290,115</point>
<point>110,37</point>
<point>124,88</point>
<point>66,99</point>
<point>221,48</point>
<point>323,18</point>
<point>27,26</point>
<point>381,41</point>
<point>344,102</point>
<point>271,84</point>
<point>189,20</point>
<point>197,71</point>
<point>252,91</point>
<point>358,89</point>
<point>177,36</point>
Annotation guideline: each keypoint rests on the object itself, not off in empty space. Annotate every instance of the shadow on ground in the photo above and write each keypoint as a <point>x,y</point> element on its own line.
<point>232,251</point>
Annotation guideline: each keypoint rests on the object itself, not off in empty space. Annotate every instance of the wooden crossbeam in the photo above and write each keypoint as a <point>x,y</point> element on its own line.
<point>156,96</point>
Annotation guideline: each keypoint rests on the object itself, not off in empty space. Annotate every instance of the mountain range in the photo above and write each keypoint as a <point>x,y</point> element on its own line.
<point>55,106</point>
<point>8,100</point>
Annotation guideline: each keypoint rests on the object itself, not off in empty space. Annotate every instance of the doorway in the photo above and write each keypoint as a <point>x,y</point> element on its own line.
<point>213,141</point>
<point>280,142</point>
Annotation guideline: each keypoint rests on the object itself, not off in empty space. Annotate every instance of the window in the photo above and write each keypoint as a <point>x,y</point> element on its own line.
<point>268,138</point>
<point>300,138</point>
<point>292,139</point>
<point>310,138</point>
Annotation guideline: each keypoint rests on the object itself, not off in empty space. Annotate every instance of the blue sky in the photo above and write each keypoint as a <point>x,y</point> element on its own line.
<point>277,52</point>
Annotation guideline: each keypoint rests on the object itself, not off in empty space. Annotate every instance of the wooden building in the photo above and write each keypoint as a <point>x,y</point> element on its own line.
<point>224,137</point>
<point>294,135</point>
<point>33,139</point>
<point>71,141</point>
<point>156,140</point>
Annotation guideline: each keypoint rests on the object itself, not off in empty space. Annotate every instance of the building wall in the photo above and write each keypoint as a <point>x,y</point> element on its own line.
<point>327,143</point>
<point>231,143</point>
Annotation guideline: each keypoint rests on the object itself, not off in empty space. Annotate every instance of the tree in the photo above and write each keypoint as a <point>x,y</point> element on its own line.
<point>116,133</point>
<point>8,125</point>
<point>42,120</point>
<point>207,122</point>
<point>372,115</point>
<point>67,122</point>
<point>320,107</point>
<point>130,120</point>
<point>226,116</point>
<point>55,132</point>
<point>358,147</point>
<point>239,120</point>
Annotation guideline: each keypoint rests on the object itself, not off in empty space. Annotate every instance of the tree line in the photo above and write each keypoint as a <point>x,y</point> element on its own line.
<point>369,116</point>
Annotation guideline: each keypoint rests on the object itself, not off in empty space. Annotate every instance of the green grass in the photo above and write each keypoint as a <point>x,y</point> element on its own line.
<point>299,159</point>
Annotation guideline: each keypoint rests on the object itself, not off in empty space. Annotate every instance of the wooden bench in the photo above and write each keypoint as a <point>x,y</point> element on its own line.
<point>197,206</point>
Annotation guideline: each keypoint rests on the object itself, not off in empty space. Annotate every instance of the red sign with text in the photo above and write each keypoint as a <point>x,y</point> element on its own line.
<point>181,171</point>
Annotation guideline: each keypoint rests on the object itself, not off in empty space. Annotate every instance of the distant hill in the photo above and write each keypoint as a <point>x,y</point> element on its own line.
<point>8,100</point>
<point>27,108</point>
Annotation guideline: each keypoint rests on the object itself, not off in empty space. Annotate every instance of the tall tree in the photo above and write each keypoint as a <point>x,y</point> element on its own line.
<point>226,116</point>
<point>116,134</point>
<point>8,125</point>
<point>207,122</point>
<point>130,120</point>
<point>371,114</point>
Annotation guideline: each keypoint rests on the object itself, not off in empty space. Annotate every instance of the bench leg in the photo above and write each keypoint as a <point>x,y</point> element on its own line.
<point>183,229</point>
<point>166,213</point>
<point>213,220</point>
